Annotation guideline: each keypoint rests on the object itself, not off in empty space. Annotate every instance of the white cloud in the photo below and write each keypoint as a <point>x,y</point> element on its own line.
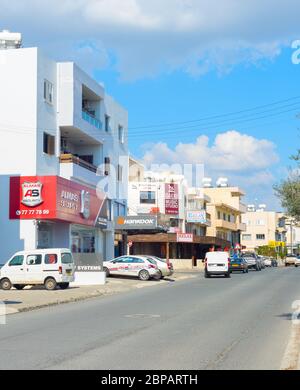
<point>246,161</point>
<point>230,152</point>
<point>147,37</point>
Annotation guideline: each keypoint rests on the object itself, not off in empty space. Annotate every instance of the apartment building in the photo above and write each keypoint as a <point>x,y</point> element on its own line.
<point>292,235</point>
<point>226,210</point>
<point>63,157</point>
<point>263,228</point>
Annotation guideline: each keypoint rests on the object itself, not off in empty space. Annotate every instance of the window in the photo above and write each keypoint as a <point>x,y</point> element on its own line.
<point>260,222</point>
<point>147,197</point>
<point>120,173</point>
<point>51,259</point>
<point>247,237</point>
<point>49,144</point>
<point>34,260</point>
<point>48,92</point>
<point>224,216</point>
<point>260,237</point>
<point>107,166</point>
<point>219,215</point>
<point>121,134</point>
<point>67,258</point>
<point>17,260</point>
<point>107,123</point>
<point>228,218</point>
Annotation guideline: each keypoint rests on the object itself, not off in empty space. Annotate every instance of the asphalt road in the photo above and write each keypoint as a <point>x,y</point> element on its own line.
<point>238,323</point>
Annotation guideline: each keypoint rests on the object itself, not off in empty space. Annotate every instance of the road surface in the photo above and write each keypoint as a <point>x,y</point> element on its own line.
<point>238,323</point>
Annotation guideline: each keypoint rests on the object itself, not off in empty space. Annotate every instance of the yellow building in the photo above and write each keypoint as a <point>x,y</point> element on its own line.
<point>226,209</point>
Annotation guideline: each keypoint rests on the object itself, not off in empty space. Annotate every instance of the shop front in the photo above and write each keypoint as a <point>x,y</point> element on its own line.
<point>65,214</point>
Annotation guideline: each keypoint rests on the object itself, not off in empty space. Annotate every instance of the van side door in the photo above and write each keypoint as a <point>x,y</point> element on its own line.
<point>14,269</point>
<point>34,268</point>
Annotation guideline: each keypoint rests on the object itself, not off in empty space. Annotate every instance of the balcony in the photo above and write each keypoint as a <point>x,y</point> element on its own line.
<point>220,223</point>
<point>74,168</point>
<point>92,120</point>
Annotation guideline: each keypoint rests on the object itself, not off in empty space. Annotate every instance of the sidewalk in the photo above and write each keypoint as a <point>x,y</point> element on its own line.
<point>37,297</point>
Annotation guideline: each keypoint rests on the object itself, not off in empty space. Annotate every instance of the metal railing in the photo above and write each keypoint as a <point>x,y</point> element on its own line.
<point>70,158</point>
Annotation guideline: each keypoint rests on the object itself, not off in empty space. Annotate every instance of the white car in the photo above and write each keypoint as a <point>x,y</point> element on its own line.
<point>267,262</point>
<point>144,268</point>
<point>217,263</point>
<point>297,262</point>
<point>165,268</point>
<point>48,267</point>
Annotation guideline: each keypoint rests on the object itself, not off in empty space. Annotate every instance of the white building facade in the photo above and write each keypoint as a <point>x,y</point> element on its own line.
<point>63,157</point>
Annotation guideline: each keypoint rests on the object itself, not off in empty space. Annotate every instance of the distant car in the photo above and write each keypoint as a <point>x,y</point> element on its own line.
<point>252,260</point>
<point>297,262</point>
<point>267,262</point>
<point>290,260</point>
<point>217,263</point>
<point>238,264</point>
<point>261,259</point>
<point>165,268</point>
<point>143,268</point>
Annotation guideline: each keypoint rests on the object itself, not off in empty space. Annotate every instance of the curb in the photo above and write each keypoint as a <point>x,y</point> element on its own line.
<point>95,294</point>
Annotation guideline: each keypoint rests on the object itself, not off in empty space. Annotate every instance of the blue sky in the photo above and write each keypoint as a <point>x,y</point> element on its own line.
<point>182,60</point>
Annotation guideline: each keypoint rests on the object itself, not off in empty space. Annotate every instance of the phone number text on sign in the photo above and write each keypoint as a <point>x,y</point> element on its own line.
<point>32,212</point>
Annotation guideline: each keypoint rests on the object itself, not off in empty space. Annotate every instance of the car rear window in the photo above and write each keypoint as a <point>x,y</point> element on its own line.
<point>51,259</point>
<point>67,258</point>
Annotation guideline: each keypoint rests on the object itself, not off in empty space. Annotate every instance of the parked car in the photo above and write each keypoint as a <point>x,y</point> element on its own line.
<point>290,260</point>
<point>252,260</point>
<point>48,267</point>
<point>267,262</point>
<point>238,264</point>
<point>297,262</point>
<point>261,259</point>
<point>217,263</point>
<point>165,268</point>
<point>274,262</point>
<point>140,266</point>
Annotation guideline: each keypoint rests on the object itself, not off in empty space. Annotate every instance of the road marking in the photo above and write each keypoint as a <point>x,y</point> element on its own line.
<point>292,353</point>
<point>142,316</point>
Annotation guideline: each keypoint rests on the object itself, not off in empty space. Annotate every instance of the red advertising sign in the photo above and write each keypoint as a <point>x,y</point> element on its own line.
<point>185,237</point>
<point>171,199</point>
<point>55,198</point>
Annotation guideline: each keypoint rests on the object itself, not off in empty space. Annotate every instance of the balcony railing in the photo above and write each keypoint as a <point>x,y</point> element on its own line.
<point>71,159</point>
<point>92,120</point>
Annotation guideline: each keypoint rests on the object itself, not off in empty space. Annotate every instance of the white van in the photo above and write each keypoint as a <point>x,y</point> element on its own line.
<point>217,263</point>
<point>48,267</point>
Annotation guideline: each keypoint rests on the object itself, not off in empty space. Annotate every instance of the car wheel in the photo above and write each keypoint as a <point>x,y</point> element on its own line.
<point>64,286</point>
<point>228,275</point>
<point>160,275</point>
<point>144,275</point>
<point>206,275</point>
<point>50,284</point>
<point>19,286</point>
<point>5,284</point>
<point>106,270</point>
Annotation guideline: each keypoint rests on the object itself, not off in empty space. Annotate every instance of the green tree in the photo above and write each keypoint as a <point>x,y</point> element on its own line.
<point>288,190</point>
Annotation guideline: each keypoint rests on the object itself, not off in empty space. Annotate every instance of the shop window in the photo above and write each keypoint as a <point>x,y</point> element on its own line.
<point>51,259</point>
<point>34,260</point>
<point>120,173</point>
<point>49,144</point>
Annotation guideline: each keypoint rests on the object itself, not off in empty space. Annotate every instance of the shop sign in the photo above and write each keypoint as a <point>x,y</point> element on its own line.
<point>136,223</point>
<point>196,216</point>
<point>55,198</point>
<point>185,237</point>
<point>171,199</point>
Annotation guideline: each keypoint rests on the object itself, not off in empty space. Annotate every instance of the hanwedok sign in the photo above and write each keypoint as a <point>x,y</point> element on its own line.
<point>136,223</point>
<point>55,198</point>
<point>171,199</point>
